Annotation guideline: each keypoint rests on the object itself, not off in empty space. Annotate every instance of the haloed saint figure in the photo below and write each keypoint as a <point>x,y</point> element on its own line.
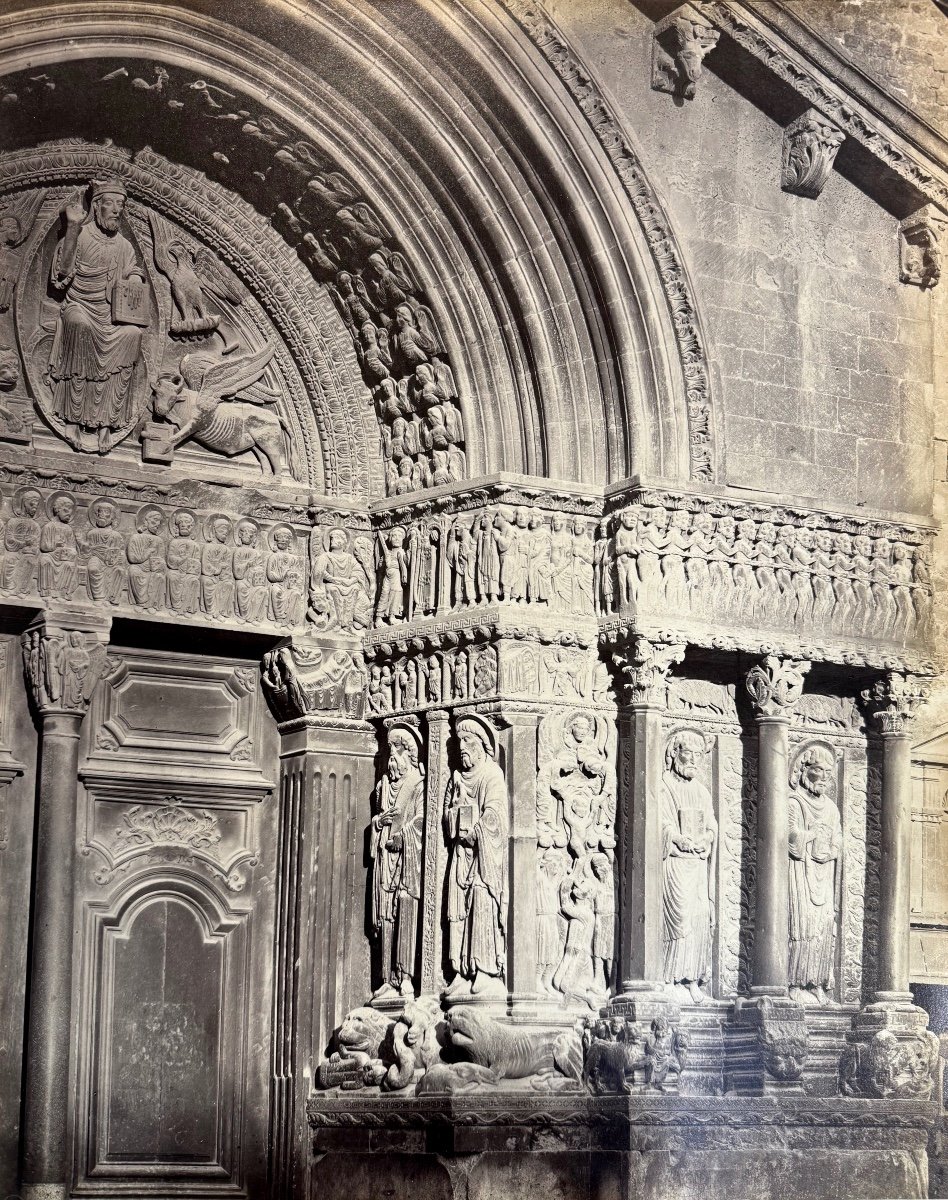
<point>98,338</point>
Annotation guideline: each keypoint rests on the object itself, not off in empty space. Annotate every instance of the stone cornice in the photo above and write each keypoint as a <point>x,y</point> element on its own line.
<point>796,56</point>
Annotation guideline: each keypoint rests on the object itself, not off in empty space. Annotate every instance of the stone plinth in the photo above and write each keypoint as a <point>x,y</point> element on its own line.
<point>514,1144</point>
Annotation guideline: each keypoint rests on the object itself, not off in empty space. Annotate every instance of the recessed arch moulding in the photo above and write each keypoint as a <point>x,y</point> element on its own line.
<point>452,294</point>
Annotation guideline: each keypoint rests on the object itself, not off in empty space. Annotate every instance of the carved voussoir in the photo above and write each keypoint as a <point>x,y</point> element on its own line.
<point>810,145</point>
<point>679,46</point>
<point>921,246</point>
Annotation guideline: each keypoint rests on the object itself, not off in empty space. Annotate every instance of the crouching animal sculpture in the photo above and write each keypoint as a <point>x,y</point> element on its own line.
<point>373,1049</point>
<point>552,1061</point>
<point>196,400</point>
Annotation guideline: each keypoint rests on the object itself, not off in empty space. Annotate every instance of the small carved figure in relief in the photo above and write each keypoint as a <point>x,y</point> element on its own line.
<point>397,861</point>
<point>561,563</point>
<point>59,549</point>
<point>391,603</point>
<point>689,834</point>
<point>664,1049</point>
<point>462,559</point>
<point>539,545</point>
<point>198,400</point>
<point>184,563</point>
<point>488,562</point>
<point>604,920</point>
<point>476,824</point>
<point>815,843</point>
<point>286,577</point>
<point>505,538</point>
<point>626,552</point>
<point>459,686</point>
<point>16,222</point>
<point>146,558</point>
<point>423,551</point>
<point>388,279</point>
<point>582,568</point>
<point>103,548</point>
<point>249,571</point>
<point>340,581</point>
<point>573,976</point>
<point>551,869</point>
<point>97,344</point>
<point>21,543</point>
<point>217,576</point>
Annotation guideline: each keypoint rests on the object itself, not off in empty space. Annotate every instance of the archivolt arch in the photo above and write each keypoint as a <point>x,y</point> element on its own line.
<point>554,316</point>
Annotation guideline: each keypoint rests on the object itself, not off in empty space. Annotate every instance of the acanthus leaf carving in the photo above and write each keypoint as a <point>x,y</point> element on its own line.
<point>644,669</point>
<point>810,145</point>
<point>892,701</point>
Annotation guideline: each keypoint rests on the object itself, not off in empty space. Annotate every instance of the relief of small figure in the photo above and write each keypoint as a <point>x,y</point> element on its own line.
<point>146,558</point>
<point>250,574</point>
<point>21,543</point>
<point>217,576</point>
<point>184,564</point>
<point>59,549</point>
<point>816,837</point>
<point>391,602</point>
<point>286,576</point>
<point>103,548</point>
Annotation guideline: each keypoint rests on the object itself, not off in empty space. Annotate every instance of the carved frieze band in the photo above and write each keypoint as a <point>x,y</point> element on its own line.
<point>828,579</point>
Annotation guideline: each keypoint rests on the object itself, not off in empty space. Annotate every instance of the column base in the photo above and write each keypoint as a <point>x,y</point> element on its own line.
<point>42,1191</point>
<point>767,1045</point>
<point>891,1053</point>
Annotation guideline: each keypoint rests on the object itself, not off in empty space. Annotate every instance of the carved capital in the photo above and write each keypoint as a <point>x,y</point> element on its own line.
<point>892,701</point>
<point>921,238</point>
<point>681,41</point>
<point>302,681</point>
<point>644,670</point>
<point>810,144</point>
<point>775,685</point>
<point>63,659</point>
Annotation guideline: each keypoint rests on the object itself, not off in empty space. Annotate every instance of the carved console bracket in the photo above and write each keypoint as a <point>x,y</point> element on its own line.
<point>810,144</point>
<point>797,61</point>
<point>680,44</point>
<point>920,249</point>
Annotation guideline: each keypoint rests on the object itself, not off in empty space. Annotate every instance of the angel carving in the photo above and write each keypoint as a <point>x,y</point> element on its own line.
<point>199,400</point>
<point>16,221</point>
<point>361,227</point>
<point>194,274</point>
<point>388,279</point>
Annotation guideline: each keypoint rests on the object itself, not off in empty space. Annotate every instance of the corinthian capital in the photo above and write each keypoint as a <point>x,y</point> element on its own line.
<point>809,150</point>
<point>892,701</point>
<point>775,685</point>
<point>644,669</point>
<point>62,662</point>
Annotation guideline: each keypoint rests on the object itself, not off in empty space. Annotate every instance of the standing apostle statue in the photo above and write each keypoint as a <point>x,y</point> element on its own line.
<point>477,823</point>
<point>816,837</point>
<point>689,832</point>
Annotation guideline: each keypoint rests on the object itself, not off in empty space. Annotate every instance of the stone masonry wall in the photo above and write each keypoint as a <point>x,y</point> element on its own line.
<point>822,358</point>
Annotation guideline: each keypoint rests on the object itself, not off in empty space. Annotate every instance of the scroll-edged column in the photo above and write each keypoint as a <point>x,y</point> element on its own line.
<point>644,673</point>
<point>768,1049</point>
<point>64,656</point>
<point>892,1055</point>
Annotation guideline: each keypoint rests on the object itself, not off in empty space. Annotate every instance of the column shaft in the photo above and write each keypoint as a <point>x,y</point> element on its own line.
<point>640,847</point>
<point>772,913</point>
<point>894,867</point>
<point>49,1040</point>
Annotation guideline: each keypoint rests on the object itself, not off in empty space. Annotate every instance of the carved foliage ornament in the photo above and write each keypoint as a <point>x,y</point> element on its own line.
<point>810,144</point>
<point>775,685</point>
<point>921,246</point>
<point>644,670</point>
<point>893,700</point>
